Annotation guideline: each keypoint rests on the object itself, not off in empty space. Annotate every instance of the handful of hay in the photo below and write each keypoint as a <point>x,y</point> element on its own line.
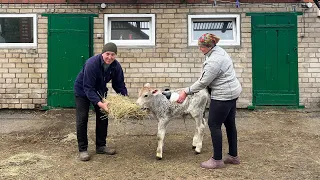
<point>122,107</point>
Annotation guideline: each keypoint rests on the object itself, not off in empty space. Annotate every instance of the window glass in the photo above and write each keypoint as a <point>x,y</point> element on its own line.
<point>16,30</point>
<point>130,30</point>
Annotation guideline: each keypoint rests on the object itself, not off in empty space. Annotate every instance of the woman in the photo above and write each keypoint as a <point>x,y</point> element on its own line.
<point>219,77</point>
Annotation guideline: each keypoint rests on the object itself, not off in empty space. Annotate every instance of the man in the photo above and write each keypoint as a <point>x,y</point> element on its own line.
<point>218,75</point>
<point>89,86</point>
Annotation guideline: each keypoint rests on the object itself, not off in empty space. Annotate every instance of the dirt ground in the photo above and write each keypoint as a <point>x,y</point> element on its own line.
<point>273,144</point>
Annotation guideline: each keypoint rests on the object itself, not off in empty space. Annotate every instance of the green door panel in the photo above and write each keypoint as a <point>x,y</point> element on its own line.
<point>275,59</point>
<point>273,98</point>
<point>69,45</point>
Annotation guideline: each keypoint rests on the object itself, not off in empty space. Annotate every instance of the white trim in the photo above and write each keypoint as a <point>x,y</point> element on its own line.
<point>235,18</point>
<point>130,43</point>
<point>35,30</point>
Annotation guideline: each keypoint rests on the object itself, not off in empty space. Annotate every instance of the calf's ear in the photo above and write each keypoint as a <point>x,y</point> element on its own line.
<point>147,85</point>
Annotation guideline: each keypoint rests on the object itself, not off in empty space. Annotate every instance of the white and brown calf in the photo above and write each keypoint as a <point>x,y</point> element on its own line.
<point>164,110</point>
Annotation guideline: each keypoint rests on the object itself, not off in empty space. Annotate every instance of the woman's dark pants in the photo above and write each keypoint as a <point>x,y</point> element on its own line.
<point>223,112</point>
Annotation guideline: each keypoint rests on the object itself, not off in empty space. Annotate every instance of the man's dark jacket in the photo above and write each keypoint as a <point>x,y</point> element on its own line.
<point>93,79</point>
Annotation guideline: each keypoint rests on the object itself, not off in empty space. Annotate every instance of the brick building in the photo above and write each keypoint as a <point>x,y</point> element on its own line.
<point>275,45</point>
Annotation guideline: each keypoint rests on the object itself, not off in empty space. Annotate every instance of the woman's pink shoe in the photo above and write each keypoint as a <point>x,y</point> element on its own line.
<point>231,160</point>
<point>212,164</point>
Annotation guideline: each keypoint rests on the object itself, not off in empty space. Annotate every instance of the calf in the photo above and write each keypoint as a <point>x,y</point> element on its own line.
<point>164,109</point>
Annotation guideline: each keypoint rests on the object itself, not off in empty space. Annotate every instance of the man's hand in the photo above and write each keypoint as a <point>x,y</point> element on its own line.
<point>104,106</point>
<point>182,97</point>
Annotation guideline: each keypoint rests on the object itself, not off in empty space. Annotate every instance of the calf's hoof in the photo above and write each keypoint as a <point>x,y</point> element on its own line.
<point>159,156</point>
<point>196,152</point>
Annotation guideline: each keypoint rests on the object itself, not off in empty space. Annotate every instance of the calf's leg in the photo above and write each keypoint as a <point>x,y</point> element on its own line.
<point>199,132</point>
<point>162,126</point>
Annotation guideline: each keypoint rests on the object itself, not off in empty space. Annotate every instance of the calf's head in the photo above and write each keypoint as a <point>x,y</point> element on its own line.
<point>146,94</point>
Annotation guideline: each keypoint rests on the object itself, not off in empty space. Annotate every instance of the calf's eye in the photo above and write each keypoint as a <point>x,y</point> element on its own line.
<point>146,95</point>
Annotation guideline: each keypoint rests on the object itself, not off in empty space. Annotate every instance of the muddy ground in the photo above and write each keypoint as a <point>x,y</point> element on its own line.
<point>273,144</point>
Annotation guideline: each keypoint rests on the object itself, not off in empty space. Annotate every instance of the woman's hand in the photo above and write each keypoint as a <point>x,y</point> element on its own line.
<point>182,96</point>
<point>104,106</point>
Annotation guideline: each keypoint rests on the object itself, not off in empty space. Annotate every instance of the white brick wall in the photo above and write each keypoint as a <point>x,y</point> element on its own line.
<point>171,63</point>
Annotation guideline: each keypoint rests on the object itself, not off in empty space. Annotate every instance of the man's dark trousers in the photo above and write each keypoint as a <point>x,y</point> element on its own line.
<point>82,115</point>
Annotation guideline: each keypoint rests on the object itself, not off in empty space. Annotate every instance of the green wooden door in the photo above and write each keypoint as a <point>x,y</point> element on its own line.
<point>69,45</point>
<point>275,59</point>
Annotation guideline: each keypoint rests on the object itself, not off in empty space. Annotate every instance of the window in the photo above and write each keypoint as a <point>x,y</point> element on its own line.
<point>130,29</point>
<point>226,26</point>
<point>18,30</point>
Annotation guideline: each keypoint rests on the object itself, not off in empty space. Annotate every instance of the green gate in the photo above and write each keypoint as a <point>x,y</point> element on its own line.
<point>70,44</point>
<point>274,59</point>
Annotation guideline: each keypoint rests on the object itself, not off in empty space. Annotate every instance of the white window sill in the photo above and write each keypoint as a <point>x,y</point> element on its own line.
<point>221,43</point>
<point>17,46</point>
<point>133,43</point>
